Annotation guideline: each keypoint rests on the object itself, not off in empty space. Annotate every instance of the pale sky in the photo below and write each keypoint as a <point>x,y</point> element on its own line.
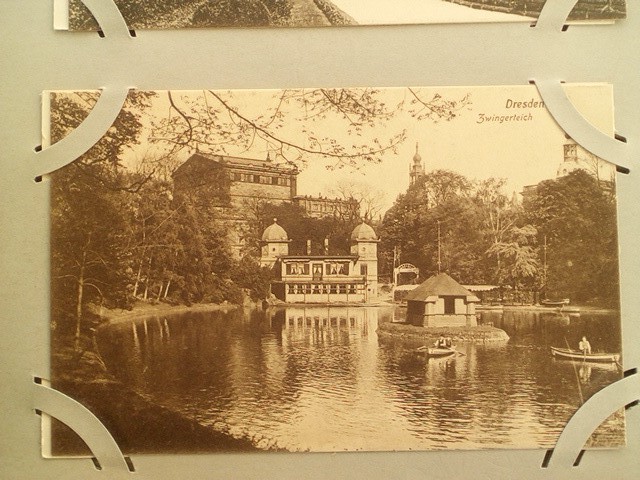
<point>523,152</point>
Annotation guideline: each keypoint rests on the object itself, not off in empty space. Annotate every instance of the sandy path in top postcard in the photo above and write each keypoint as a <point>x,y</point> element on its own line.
<point>161,14</point>
<point>335,269</point>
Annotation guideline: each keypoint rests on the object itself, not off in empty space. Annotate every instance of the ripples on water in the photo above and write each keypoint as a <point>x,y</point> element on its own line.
<point>318,379</point>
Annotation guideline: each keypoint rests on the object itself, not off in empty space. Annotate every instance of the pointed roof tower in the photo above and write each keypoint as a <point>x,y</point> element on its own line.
<point>417,169</point>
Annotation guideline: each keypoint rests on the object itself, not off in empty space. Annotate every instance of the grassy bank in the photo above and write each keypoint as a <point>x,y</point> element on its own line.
<point>137,424</point>
<point>428,335</point>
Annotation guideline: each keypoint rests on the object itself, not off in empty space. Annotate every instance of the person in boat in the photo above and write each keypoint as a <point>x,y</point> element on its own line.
<point>441,342</point>
<point>448,342</point>
<point>584,346</point>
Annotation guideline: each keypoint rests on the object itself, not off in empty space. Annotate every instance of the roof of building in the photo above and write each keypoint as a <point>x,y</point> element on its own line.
<point>481,288</point>
<point>249,164</point>
<point>311,198</point>
<point>363,233</point>
<point>275,233</point>
<point>293,258</point>
<point>439,285</point>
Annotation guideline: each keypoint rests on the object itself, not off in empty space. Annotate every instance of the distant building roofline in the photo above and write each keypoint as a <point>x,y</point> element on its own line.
<point>318,257</point>
<point>253,164</point>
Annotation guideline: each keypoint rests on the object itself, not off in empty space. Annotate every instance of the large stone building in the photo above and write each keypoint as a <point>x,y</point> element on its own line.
<point>235,186</point>
<point>234,181</point>
<point>322,278</point>
<point>321,207</point>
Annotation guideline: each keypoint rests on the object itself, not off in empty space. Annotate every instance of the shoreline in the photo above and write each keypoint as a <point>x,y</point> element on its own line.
<point>85,378</point>
<point>143,310</point>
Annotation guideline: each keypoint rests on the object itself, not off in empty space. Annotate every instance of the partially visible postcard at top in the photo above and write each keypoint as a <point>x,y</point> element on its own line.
<point>334,269</point>
<point>169,14</point>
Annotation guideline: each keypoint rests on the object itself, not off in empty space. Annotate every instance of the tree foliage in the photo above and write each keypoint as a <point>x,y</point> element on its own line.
<point>561,240</point>
<point>334,231</point>
<point>118,234</point>
<point>576,215</point>
<point>297,124</point>
<point>435,219</point>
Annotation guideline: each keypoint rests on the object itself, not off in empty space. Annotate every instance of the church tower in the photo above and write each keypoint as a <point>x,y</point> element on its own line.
<point>416,170</point>
<point>571,160</point>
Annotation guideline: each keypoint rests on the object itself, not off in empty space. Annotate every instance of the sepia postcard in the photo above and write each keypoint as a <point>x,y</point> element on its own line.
<point>163,14</point>
<point>334,269</point>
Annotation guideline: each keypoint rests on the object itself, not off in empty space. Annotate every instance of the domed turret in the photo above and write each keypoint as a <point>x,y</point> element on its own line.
<point>364,246</point>
<point>275,233</point>
<point>417,158</point>
<point>363,233</point>
<point>275,243</point>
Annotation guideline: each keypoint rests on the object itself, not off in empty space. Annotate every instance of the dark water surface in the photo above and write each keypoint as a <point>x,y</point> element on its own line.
<point>318,379</point>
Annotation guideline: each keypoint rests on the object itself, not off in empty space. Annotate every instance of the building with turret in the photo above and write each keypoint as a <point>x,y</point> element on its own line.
<point>322,278</point>
<point>575,158</point>
<point>234,186</point>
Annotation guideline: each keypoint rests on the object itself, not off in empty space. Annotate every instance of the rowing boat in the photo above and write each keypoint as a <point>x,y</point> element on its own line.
<point>555,303</point>
<point>436,351</point>
<point>587,357</point>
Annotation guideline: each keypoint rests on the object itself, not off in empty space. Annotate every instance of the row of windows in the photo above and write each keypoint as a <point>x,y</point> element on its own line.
<point>332,268</point>
<point>317,288</point>
<point>263,179</point>
<point>330,207</point>
<point>331,320</point>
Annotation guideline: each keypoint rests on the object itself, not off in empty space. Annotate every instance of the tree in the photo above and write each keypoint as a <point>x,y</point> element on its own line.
<point>520,266</point>
<point>293,124</point>
<point>300,227</point>
<point>370,200</point>
<point>441,186</point>
<point>439,202</point>
<point>90,233</point>
<point>577,217</point>
<point>88,262</point>
<point>498,216</point>
<point>249,275</point>
<point>130,239</point>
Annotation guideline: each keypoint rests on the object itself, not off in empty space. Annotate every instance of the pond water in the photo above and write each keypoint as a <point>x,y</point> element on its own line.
<point>318,379</point>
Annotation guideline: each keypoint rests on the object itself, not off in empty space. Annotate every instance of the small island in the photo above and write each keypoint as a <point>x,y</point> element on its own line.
<point>440,306</point>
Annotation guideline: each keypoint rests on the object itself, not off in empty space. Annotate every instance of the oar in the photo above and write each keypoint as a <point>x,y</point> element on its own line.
<point>576,373</point>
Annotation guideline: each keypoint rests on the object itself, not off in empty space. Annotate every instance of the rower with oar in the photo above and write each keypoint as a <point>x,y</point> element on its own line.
<point>584,346</point>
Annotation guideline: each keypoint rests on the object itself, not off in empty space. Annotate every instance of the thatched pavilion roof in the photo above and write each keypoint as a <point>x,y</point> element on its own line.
<point>437,286</point>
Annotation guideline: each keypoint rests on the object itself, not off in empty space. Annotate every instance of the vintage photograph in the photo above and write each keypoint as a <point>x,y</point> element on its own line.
<point>161,14</point>
<point>331,269</point>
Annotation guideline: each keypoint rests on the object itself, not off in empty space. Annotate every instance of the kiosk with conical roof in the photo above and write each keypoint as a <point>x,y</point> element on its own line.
<point>440,301</point>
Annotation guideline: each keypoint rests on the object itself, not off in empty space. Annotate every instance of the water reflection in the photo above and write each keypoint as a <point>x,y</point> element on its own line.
<point>317,378</point>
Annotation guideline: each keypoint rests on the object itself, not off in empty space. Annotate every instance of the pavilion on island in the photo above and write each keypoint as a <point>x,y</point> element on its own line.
<point>440,301</point>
